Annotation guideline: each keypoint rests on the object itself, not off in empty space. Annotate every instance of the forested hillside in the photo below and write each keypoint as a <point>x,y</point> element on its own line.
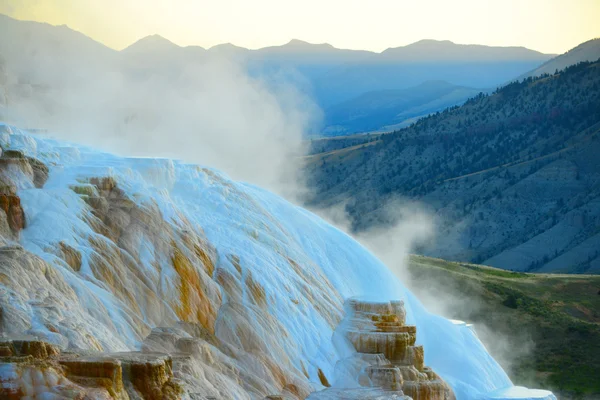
<point>513,178</point>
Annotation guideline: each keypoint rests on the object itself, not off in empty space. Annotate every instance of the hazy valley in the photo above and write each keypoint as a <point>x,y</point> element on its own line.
<point>357,90</point>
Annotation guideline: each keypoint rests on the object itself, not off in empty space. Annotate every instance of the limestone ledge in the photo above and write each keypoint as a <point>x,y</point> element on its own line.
<point>35,369</point>
<point>388,364</point>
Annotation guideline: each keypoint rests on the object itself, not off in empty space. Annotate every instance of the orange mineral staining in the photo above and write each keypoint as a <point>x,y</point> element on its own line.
<point>194,305</point>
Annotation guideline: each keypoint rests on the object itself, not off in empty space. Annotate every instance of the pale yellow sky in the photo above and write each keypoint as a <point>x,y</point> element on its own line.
<point>550,26</point>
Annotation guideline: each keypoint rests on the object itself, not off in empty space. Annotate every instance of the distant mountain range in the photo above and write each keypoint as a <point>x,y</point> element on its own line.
<point>408,66</point>
<point>392,109</point>
<point>511,177</point>
<point>337,80</point>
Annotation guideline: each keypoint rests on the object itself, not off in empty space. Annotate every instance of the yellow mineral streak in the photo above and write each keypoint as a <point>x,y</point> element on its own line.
<point>194,305</point>
<point>107,265</point>
<point>319,292</point>
<point>304,371</point>
<point>230,283</point>
<point>242,329</point>
<point>256,292</point>
<point>70,255</point>
<point>205,258</point>
<point>323,378</point>
<point>235,260</point>
<point>295,391</point>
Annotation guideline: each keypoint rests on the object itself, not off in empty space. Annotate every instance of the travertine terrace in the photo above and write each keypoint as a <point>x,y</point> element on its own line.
<point>388,362</point>
<point>141,278</point>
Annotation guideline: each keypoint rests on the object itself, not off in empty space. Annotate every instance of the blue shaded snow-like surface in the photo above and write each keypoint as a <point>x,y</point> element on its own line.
<point>265,232</point>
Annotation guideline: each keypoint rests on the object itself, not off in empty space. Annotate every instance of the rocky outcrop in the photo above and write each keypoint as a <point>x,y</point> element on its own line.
<point>31,369</point>
<point>15,161</point>
<point>388,362</point>
<point>149,375</point>
<point>14,165</point>
<point>97,371</point>
<point>39,370</point>
<point>10,204</point>
<point>12,216</point>
<point>33,348</point>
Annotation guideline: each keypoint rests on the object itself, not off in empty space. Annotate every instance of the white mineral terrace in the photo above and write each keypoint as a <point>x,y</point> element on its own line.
<point>107,255</point>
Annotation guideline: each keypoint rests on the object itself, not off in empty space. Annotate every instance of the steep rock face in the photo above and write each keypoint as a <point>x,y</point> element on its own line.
<point>186,284</point>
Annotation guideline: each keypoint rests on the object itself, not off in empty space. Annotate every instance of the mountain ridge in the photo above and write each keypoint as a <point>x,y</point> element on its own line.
<point>529,146</point>
<point>152,43</point>
<point>327,75</point>
<point>479,52</point>
<point>291,43</point>
<point>586,51</point>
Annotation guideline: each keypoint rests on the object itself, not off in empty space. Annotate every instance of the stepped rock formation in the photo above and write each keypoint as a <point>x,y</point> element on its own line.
<point>133,278</point>
<point>393,366</point>
<point>36,369</point>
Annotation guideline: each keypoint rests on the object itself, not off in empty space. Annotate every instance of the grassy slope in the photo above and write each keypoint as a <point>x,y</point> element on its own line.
<point>543,328</point>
